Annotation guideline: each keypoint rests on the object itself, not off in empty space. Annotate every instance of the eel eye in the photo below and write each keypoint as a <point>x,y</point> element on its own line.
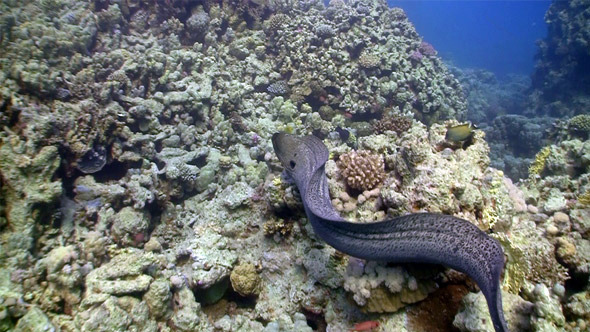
<point>292,164</point>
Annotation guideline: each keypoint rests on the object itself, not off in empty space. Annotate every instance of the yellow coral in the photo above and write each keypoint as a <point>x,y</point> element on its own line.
<point>275,225</point>
<point>245,280</point>
<point>538,164</point>
<point>277,181</point>
<point>489,218</point>
<point>517,268</point>
<point>584,198</point>
<point>383,300</point>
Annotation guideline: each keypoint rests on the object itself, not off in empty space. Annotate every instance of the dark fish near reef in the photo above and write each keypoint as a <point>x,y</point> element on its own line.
<point>414,238</point>
<point>93,160</point>
<point>344,134</point>
<point>460,132</point>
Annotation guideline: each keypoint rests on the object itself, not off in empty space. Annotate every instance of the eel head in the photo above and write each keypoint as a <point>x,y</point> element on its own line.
<point>301,156</point>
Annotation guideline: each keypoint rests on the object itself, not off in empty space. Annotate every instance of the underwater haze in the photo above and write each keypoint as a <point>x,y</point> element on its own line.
<point>495,35</point>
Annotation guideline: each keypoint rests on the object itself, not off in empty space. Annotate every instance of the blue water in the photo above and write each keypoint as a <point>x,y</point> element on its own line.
<point>496,35</point>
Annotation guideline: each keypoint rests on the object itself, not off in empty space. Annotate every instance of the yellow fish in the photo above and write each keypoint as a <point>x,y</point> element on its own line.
<point>460,133</point>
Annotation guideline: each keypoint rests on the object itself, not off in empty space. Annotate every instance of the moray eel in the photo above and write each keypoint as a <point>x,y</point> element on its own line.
<point>413,238</point>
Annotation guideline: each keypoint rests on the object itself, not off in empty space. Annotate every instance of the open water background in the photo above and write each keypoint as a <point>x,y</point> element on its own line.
<point>495,35</point>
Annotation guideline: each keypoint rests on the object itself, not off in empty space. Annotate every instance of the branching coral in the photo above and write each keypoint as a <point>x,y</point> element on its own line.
<point>362,170</point>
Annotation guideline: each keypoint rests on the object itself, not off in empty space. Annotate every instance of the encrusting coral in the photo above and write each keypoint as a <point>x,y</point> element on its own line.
<point>538,165</point>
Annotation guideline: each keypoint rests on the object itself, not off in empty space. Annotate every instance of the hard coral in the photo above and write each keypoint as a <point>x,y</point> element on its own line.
<point>278,88</point>
<point>579,124</point>
<point>369,60</point>
<point>396,123</point>
<point>245,280</point>
<point>584,198</point>
<point>538,164</point>
<point>276,22</point>
<point>324,31</point>
<point>362,170</point>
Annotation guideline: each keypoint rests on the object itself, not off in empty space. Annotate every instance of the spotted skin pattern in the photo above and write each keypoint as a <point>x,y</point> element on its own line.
<point>413,238</point>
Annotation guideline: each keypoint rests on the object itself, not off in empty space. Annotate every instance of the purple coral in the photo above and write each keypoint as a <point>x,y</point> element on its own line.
<point>416,56</point>
<point>426,49</point>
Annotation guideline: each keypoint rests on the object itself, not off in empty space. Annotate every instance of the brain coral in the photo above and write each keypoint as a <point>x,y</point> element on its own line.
<point>361,169</point>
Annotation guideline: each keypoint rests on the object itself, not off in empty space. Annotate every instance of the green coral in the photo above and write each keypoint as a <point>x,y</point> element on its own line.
<point>538,165</point>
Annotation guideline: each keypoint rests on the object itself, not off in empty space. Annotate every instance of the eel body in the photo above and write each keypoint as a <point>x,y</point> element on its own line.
<point>414,238</point>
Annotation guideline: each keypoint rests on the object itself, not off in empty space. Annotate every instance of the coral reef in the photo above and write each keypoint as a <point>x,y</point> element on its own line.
<point>473,315</point>
<point>326,74</point>
<point>580,125</point>
<point>514,140</point>
<point>538,165</point>
<point>361,169</point>
<point>488,96</point>
<point>377,288</point>
<point>139,190</point>
<point>245,279</point>
<point>497,107</point>
<point>560,80</point>
<point>396,123</point>
<point>557,192</point>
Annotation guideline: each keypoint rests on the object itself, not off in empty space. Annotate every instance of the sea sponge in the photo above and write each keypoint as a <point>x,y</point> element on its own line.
<point>538,164</point>
<point>362,170</point>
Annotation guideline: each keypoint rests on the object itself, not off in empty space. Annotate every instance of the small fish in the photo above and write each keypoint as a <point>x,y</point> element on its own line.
<point>365,326</point>
<point>344,134</point>
<point>460,132</point>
